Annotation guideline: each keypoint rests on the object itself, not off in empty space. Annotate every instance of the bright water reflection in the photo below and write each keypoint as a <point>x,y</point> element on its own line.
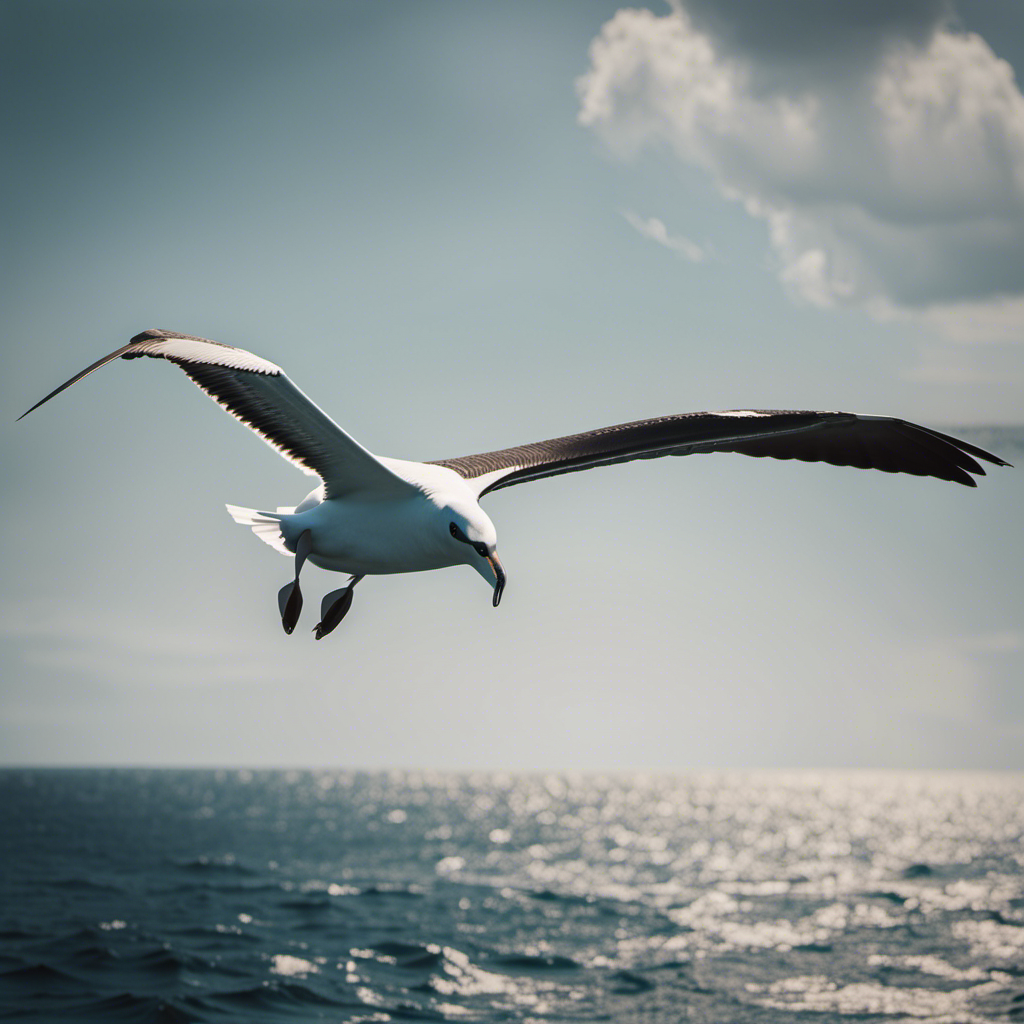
<point>374,897</point>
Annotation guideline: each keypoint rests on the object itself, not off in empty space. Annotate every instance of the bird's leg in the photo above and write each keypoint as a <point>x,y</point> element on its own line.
<point>334,608</point>
<point>289,597</point>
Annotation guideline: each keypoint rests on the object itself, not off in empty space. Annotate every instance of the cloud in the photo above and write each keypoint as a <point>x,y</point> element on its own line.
<point>883,148</point>
<point>656,231</point>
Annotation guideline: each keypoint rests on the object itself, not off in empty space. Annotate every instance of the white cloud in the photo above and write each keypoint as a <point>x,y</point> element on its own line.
<point>886,157</point>
<point>656,231</point>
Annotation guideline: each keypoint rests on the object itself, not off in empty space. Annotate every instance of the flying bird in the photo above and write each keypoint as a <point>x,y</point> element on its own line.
<point>372,515</point>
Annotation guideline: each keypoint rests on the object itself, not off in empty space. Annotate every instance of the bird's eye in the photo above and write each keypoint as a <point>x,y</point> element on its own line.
<point>480,549</point>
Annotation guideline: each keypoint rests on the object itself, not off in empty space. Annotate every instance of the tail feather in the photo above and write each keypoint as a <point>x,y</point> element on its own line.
<point>266,525</point>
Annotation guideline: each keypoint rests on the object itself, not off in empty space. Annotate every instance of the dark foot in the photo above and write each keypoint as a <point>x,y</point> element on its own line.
<point>333,609</point>
<point>289,601</point>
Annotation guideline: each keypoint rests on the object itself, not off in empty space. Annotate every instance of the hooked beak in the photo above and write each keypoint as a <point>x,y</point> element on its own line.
<point>499,576</point>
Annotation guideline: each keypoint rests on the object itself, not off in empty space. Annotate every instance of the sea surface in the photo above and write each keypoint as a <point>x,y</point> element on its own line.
<point>239,896</point>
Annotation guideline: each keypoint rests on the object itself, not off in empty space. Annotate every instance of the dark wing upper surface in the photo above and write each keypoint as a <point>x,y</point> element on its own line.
<point>840,438</point>
<point>260,395</point>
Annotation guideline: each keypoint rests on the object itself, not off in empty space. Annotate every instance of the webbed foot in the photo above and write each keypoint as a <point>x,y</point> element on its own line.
<point>289,600</point>
<point>333,609</point>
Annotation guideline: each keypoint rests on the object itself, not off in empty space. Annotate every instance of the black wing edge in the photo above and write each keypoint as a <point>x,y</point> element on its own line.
<point>125,351</point>
<point>245,394</point>
<point>841,439</point>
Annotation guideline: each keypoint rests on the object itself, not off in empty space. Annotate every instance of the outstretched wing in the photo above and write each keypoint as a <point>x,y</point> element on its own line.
<point>841,438</point>
<point>260,395</point>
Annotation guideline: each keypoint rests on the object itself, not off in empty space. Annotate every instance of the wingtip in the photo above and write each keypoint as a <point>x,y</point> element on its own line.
<point>78,376</point>
<point>34,407</point>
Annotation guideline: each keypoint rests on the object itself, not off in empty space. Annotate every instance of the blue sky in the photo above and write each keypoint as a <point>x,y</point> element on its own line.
<point>462,226</point>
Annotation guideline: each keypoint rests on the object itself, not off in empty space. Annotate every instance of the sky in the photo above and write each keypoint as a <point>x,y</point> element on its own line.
<point>464,226</point>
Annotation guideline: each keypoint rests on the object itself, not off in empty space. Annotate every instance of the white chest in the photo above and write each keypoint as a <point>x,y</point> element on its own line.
<point>362,536</point>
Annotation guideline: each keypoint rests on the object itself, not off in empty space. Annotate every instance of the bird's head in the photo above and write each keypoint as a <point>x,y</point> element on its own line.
<point>473,534</point>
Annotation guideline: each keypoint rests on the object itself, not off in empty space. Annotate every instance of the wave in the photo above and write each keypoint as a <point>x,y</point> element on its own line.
<point>526,962</point>
<point>277,996</point>
<point>226,865</point>
<point>727,898</point>
<point>133,1009</point>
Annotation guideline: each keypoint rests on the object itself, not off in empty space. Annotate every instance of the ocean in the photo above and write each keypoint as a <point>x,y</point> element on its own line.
<point>275,896</point>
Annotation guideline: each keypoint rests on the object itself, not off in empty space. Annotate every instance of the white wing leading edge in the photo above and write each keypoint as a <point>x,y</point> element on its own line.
<point>259,394</point>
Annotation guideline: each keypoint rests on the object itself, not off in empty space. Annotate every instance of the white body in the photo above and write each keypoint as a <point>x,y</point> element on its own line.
<point>370,534</point>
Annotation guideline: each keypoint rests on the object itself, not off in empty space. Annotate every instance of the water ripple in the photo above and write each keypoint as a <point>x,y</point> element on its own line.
<point>336,896</point>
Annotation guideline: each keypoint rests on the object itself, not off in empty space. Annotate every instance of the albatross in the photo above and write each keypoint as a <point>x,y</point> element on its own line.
<point>371,515</point>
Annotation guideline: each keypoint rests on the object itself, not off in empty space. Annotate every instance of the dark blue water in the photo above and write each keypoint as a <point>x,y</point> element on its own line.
<point>330,896</point>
